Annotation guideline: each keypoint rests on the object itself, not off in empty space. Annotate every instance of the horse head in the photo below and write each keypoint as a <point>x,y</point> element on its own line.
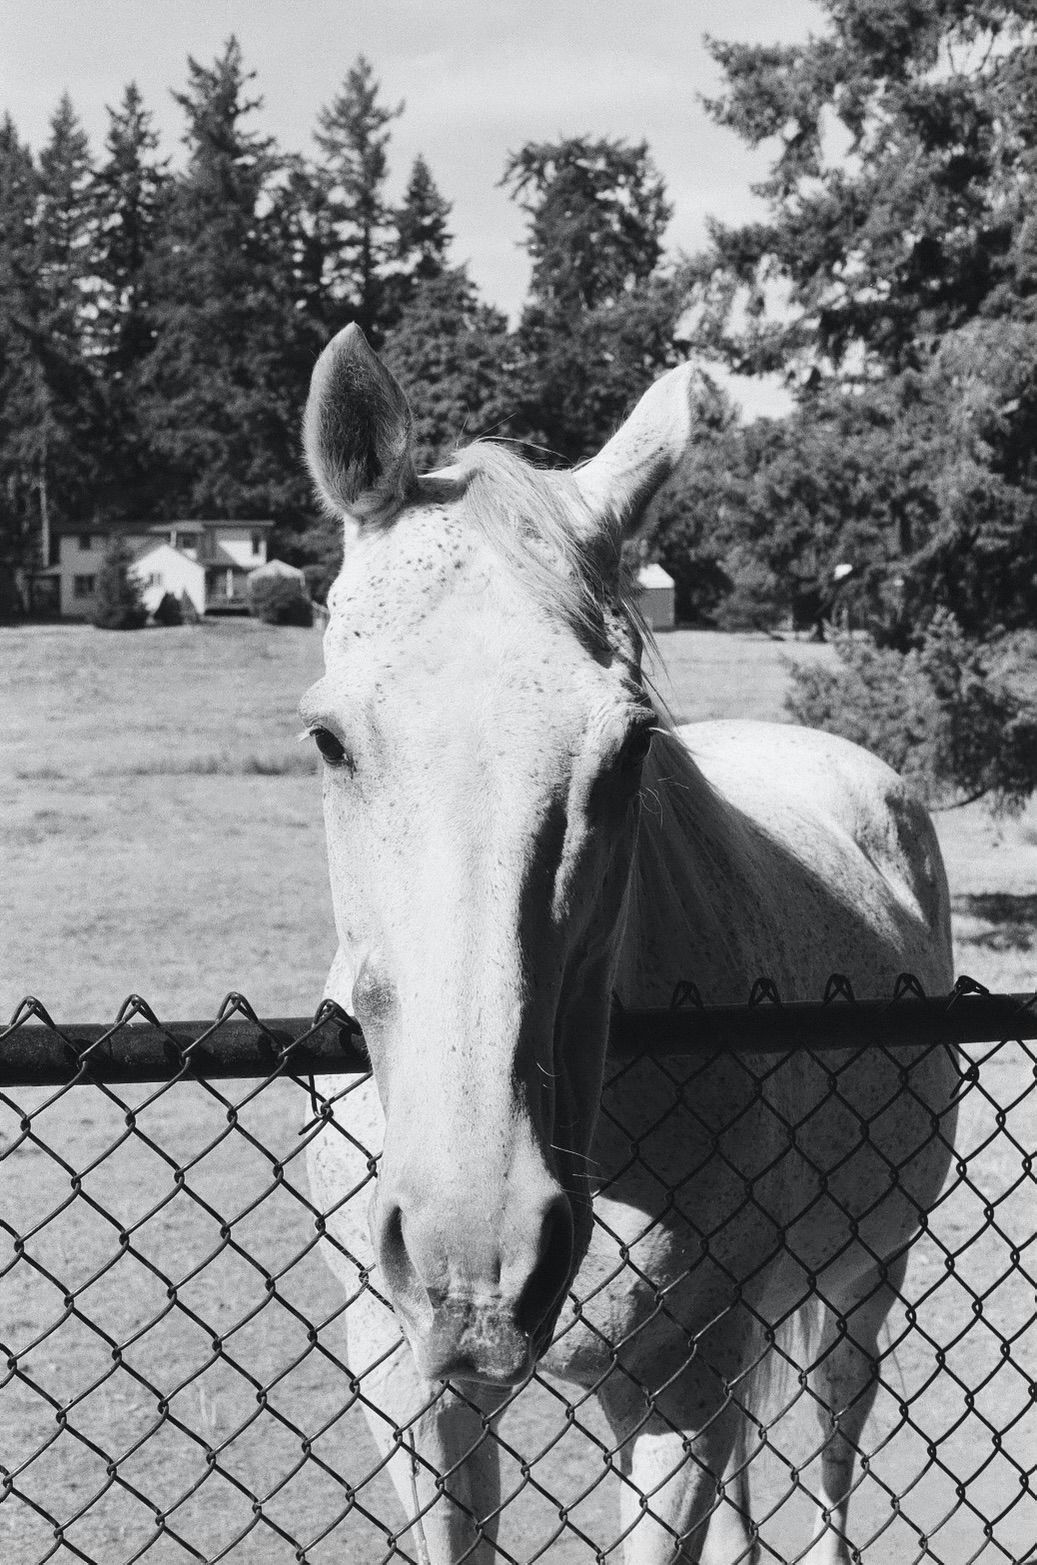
<point>484,727</point>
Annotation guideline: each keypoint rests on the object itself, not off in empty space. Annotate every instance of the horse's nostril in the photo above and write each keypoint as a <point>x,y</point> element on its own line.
<point>551,1272</point>
<point>402,1278</point>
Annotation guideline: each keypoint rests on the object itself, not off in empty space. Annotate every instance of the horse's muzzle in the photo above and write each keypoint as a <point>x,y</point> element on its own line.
<point>482,1344</point>
<point>492,1326</point>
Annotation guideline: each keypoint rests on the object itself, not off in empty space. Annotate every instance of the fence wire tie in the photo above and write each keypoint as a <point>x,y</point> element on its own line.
<point>764,992</point>
<point>686,993</point>
<point>328,1010</point>
<point>906,987</point>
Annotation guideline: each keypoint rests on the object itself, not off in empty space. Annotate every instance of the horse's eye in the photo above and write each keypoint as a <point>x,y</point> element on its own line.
<point>332,749</point>
<point>635,751</point>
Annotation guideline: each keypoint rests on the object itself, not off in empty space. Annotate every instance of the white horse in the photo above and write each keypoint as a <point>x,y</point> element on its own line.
<point>515,836</point>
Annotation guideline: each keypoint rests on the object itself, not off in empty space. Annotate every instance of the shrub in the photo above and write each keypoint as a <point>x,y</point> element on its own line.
<point>279,600</point>
<point>956,719</point>
<point>119,605</point>
<point>169,611</point>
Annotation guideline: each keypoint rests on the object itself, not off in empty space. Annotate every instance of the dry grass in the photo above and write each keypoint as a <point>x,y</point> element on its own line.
<point>163,830</point>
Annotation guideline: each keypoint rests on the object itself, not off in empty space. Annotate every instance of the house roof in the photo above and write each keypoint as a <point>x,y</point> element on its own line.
<point>144,550</point>
<point>653,576</point>
<point>142,528</point>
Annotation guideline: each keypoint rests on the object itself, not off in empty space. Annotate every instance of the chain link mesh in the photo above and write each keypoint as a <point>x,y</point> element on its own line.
<point>175,1383</point>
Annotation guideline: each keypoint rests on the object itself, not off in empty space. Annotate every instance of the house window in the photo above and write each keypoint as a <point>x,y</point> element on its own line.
<point>257,543</point>
<point>86,543</point>
<point>83,586</point>
<point>185,541</point>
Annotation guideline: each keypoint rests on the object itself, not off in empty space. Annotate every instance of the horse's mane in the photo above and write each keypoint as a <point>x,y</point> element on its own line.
<point>531,517</point>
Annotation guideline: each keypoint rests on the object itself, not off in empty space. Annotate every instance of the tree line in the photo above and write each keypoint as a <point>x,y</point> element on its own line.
<point>158,327</point>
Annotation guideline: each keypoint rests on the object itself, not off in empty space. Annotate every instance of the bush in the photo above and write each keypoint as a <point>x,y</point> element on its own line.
<point>956,719</point>
<point>279,600</point>
<point>169,611</point>
<point>119,604</point>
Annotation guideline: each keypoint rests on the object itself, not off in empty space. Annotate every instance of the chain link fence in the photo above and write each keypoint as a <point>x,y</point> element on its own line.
<point>175,1383</point>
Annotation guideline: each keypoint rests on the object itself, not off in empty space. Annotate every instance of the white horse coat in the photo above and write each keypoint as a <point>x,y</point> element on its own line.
<point>506,853</point>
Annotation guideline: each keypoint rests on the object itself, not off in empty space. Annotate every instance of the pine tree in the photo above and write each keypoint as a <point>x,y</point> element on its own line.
<point>599,325</point>
<point>423,237</point>
<point>923,223</point>
<point>224,383</point>
<point>452,355</point>
<point>904,259</point>
<point>59,309</point>
<point>20,388</point>
<point>118,604</point>
<point>353,136</point>
<point>130,195</point>
<point>597,213</point>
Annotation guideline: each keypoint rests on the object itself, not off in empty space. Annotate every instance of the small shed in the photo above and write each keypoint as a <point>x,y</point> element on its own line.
<point>655,597</point>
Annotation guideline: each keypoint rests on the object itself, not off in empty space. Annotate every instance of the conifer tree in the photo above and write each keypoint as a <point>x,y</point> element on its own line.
<point>353,136</point>
<point>58,310</point>
<point>20,390</point>
<point>227,375</point>
<point>901,240</point>
<point>423,237</point>
<point>130,194</point>
<point>118,603</point>
<point>599,324</point>
<point>452,355</point>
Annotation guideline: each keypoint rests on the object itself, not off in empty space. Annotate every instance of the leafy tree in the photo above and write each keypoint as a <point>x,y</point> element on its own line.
<point>279,600</point>
<point>959,721</point>
<point>225,380</point>
<point>118,604</point>
<point>686,529</point>
<point>353,136</point>
<point>600,322</point>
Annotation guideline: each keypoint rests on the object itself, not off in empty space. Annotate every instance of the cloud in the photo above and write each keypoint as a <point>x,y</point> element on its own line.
<point>535,90</point>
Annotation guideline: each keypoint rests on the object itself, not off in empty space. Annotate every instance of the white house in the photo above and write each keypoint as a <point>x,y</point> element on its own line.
<point>210,561</point>
<point>655,597</point>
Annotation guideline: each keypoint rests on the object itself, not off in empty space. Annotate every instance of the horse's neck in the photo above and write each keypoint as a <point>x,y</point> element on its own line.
<point>689,858</point>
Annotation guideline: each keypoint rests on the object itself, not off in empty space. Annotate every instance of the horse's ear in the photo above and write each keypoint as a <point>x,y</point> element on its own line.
<point>645,451</point>
<point>357,431</point>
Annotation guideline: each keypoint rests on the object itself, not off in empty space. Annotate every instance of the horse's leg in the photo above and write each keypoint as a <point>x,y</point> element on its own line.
<point>845,1378</point>
<point>440,1455</point>
<point>684,1498</point>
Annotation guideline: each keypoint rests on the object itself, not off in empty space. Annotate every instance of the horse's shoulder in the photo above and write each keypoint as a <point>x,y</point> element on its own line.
<point>747,757</point>
<point>782,775</point>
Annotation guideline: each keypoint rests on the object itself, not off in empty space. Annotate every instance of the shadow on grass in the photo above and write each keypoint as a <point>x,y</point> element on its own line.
<point>1013,919</point>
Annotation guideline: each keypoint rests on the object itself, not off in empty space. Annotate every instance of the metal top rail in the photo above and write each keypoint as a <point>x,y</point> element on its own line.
<point>138,1047</point>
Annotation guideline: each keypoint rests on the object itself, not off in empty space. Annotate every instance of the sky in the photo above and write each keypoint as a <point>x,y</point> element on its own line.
<point>477,78</point>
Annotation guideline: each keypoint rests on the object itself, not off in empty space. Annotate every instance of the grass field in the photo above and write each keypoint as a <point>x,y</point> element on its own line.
<point>162,834</point>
